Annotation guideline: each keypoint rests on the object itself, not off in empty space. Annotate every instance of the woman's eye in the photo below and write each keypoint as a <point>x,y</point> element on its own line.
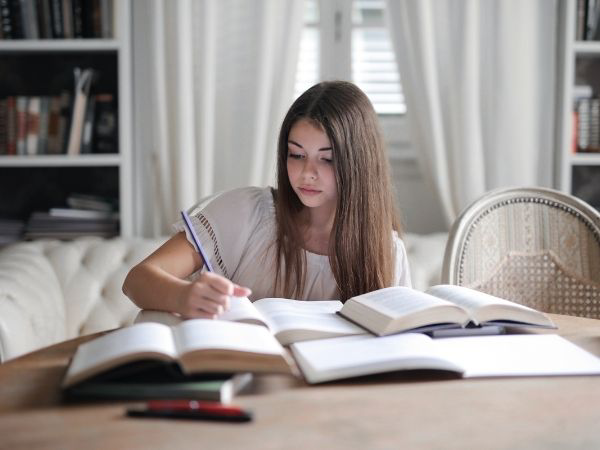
<point>328,160</point>
<point>294,155</point>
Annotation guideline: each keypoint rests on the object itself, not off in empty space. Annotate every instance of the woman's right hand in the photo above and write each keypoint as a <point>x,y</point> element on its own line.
<point>208,296</point>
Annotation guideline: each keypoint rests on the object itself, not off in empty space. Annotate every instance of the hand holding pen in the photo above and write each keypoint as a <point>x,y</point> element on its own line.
<point>208,295</point>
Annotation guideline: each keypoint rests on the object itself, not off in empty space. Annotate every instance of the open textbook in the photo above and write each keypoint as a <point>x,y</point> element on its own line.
<point>196,346</point>
<point>288,320</point>
<point>397,309</point>
<point>468,357</point>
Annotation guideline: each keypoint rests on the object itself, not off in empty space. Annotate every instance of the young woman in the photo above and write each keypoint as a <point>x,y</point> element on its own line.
<point>329,230</point>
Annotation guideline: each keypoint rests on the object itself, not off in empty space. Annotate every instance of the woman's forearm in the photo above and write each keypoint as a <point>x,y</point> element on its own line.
<point>151,287</point>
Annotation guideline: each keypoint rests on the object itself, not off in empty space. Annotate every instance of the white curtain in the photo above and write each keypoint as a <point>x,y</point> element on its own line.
<point>213,80</point>
<point>479,81</point>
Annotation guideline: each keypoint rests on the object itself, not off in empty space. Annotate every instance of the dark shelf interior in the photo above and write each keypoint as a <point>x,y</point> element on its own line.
<point>27,189</point>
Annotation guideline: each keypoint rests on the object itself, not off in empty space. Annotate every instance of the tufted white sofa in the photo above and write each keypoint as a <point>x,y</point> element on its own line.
<point>53,290</point>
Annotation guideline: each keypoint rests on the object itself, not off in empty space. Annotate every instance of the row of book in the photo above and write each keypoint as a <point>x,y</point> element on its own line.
<point>56,19</point>
<point>83,215</point>
<point>70,123</point>
<point>588,17</point>
<point>586,118</point>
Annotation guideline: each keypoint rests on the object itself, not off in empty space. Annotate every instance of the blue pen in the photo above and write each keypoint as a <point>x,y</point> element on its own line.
<point>188,224</point>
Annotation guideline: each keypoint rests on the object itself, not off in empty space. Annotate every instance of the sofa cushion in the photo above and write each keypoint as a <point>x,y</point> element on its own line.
<point>52,290</point>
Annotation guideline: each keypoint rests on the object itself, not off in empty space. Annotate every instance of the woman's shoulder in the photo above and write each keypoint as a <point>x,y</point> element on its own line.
<point>246,199</point>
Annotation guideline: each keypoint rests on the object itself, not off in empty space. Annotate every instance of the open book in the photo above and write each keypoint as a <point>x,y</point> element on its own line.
<point>288,320</point>
<point>196,346</point>
<point>467,357</point>
<point>397,309</point>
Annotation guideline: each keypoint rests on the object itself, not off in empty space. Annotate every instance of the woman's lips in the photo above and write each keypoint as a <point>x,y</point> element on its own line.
<point>309,191</point>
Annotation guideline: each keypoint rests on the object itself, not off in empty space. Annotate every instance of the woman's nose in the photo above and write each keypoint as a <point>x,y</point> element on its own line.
<point>310,170</point>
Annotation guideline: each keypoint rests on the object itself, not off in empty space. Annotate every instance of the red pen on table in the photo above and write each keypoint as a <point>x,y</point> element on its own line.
<point>191,409</point>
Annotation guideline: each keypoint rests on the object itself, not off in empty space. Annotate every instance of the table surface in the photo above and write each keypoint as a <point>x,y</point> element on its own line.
<point>412,410</point>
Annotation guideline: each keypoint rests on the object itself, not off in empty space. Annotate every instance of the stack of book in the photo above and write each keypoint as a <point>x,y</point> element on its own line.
<point>10,230</point>
<point>586,136</point>
<point>86,216</point>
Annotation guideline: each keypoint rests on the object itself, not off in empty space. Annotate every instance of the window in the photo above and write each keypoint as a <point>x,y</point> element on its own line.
<point>348,40</point>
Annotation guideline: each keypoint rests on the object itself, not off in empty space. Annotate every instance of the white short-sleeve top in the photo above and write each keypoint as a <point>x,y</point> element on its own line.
<point>237,229</point>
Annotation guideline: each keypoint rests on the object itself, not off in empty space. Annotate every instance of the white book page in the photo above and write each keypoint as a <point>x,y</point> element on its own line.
<point>398,301</point>
<point>329,359</point>
<point>139,339</point>
<point>470,299</point>
<point>518,355</point>
<point>242,309</point>
<point>202,334</point>
<point>319,315</point>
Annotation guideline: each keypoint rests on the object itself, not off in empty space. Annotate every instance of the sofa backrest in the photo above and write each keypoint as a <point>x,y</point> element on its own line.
<point>54,290</point>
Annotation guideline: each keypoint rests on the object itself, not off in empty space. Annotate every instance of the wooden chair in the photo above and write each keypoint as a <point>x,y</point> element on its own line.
<point>535,246</point>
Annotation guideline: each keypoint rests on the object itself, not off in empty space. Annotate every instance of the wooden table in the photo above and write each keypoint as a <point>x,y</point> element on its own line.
<point>389,411</point>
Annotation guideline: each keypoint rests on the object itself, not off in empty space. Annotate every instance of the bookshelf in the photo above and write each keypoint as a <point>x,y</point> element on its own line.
<point>38,181</point>
<point>578,163</point>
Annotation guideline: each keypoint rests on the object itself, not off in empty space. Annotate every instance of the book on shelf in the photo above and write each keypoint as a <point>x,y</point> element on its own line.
<point>465,357</point>
<point>21,123</point>
<point>83,82</point>
<point>88,126</point>
<point>43,125</point>
<point>105,136</point>
<point>288,320</point>
<point>61,226</point>
<point>3,126</point>
<point>44,19</point>
<point>75,213</point>
<point>5,19</point>
<point>160,382</point>
<point>33,125</point>
<point>198,346</point>
<point>91,202</point>
<point>56,19</point>
<point>11,125</point>
<point>399,309</point>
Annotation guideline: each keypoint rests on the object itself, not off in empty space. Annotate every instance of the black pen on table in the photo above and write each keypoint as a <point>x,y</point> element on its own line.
<point>188,224</point>
<point>191,409</point>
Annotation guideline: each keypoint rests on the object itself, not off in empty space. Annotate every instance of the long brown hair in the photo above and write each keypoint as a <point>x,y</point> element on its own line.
<point>361,247</point>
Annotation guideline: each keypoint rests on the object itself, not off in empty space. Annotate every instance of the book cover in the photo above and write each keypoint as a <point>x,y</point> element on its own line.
<point>33,125</point>
<point>83,81</point>
<point>215,387</point>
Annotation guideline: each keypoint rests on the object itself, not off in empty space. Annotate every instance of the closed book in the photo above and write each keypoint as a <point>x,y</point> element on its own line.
<point>217,387</point>
<point>3,126</point>
<point>5,19</point>
<point>16,19</point>
<point>21,108</point>
<point>517,355</point>
<point>56,18</point>
<point>83,82</point>
<point>11,111</point>
<point>33,125</point>
<point>44,123</point>
<point>44,19</point>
